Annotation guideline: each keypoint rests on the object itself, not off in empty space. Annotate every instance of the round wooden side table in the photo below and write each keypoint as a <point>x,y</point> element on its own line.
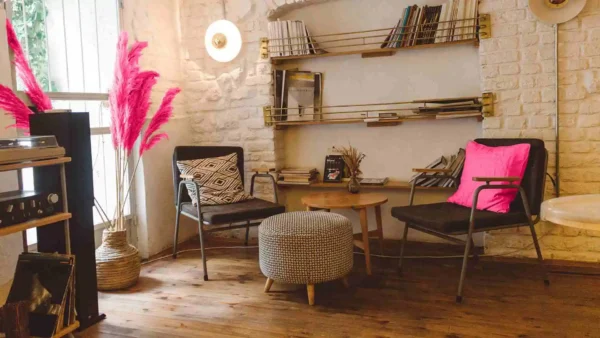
<point>581,211</point>
<point>359,202</point>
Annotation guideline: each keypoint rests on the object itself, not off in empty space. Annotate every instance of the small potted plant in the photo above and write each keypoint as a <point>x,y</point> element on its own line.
<point>352,157</point>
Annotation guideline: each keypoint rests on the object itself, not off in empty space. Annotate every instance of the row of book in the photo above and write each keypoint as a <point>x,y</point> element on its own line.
<point>455,164</point>
<point>454,20</point>
<point>298,176</point>
<point>290,37</point>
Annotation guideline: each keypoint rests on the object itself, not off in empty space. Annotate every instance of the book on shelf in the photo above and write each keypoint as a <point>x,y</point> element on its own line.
<point>298,95</point>
<point>453,20</point>
<point>374,181</point>
<point>290,38</point>
<point>454,163</point>
<point>298,176</point>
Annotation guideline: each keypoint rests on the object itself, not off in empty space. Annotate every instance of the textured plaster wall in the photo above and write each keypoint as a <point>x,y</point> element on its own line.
<point>518,65</point>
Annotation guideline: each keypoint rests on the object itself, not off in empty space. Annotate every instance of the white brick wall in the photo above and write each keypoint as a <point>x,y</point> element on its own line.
<point>518,64</point>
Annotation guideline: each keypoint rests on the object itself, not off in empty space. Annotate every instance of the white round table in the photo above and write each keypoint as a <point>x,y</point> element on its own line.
<point>581,211</point>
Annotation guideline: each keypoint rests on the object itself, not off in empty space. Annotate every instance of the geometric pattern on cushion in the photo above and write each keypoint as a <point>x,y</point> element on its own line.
<point>305,247</point>
<point>218,177</point>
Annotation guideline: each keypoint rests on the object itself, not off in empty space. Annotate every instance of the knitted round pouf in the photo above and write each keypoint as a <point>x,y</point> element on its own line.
<point>305,247</point>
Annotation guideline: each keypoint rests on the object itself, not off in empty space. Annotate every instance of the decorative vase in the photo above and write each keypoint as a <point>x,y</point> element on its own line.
<point>118,263</point>
<point>353,185</point>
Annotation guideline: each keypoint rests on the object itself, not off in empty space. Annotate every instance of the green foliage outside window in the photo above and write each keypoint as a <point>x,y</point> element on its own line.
<point>29,21</point>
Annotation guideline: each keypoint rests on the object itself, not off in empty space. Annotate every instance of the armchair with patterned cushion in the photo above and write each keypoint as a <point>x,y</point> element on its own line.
<point>446,219</point>
<point>217,210</point>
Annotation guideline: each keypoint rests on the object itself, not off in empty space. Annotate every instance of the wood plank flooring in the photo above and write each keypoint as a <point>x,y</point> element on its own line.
<point>502,299</point>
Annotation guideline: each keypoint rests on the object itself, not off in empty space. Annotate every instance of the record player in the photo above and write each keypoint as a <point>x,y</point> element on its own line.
<point>29,148</point>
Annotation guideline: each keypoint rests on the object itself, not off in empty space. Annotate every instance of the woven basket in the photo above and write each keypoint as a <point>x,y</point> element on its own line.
<point>117,262</point>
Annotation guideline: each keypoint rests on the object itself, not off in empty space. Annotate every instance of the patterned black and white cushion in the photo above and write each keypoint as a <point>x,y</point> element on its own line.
<point>218,177</point>
<point>305,247</point>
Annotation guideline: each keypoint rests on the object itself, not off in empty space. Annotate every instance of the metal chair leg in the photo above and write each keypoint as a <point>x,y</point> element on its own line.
<point>463,272</point>
<point>404,239</point>
<point>177,217</point>
<point>539,254</point>
<point>247,232</point>
<point>176,235</point>
<point>201,234</point>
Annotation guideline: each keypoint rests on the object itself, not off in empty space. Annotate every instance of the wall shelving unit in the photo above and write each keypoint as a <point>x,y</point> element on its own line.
<point>467,31</point>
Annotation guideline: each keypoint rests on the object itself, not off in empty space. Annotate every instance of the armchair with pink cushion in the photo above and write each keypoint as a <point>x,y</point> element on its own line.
<point>501,186</point>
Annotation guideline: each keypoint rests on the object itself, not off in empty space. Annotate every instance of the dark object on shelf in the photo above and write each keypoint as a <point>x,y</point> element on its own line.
<point>334,168</point>
<point>223,215</point>
<point>72,131</point>
<point>21,206</point>
<point>46,283</point>
<point>445,220</point>
<point>15,319</point>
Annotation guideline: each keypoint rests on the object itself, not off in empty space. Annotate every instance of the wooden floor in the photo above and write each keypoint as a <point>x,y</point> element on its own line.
<point>501,300</point>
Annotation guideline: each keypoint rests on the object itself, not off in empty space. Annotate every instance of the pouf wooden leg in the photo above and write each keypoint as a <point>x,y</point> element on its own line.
<point>311,294</point>
<point>345,282</point>
<point>268,284</point>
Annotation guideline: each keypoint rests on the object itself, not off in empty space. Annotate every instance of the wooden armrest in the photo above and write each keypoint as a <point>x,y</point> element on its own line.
<point>187,176</point>
<point>427,170</point>
<point>496,179</point>
<point>263,170</point>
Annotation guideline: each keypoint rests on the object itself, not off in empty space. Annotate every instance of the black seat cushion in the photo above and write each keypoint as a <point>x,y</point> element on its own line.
<point>449,218</point>
<point>235,212</point>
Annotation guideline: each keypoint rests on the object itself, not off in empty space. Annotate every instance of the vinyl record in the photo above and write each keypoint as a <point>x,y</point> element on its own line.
<point>556,11</point>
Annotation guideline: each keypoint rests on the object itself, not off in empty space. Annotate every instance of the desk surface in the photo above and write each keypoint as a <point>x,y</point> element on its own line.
<point>343,200</point>
<point>581,211</point>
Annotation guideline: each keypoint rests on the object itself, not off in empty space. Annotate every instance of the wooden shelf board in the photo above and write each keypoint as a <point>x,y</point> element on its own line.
<point>34,223</point>
<point>371,52</point>
<point>65,331</point>
<point>393,185</point>
<point>392,122</point>
<point>31,164</point>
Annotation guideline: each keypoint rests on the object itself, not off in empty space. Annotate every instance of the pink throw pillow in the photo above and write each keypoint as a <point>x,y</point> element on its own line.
<point>484,161</point>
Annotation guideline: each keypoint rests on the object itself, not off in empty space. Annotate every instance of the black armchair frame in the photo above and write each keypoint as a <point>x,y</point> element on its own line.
<point>469,244</point>
<point>200,219</point>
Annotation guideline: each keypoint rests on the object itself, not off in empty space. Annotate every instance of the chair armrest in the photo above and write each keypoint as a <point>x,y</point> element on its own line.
<point>428,170</point>
<point>187,176</point>
<point>263,170</point>
<point>264,175</point>
<point>496,179</point>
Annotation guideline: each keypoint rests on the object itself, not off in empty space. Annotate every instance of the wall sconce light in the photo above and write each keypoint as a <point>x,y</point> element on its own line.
<point>556,11</point>
<point>223,40</point>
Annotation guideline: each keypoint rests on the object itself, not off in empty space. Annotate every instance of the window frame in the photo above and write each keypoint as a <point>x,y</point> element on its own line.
<point>77,96</point>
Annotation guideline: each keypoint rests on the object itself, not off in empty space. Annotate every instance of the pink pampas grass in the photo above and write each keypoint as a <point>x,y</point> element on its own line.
<point>162,116</point>
<point>139,104</point>
<point>15,108</point>
<point>118,95</point>
<point>33,89</point>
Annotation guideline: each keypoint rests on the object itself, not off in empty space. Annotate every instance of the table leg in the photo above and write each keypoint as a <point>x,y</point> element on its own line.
<point>379,227</point>
<point>365,237</point>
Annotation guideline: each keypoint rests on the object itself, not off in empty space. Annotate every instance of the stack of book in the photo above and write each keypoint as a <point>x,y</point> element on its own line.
<point>298,176</point>
<point>288,38</point>
<point>454,20</point>
<point>450,108</point>
<point>455,164</point>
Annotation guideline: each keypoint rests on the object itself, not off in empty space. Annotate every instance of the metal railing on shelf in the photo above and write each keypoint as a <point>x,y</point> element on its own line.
<point>382,114</point>
<point>377,42</point>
